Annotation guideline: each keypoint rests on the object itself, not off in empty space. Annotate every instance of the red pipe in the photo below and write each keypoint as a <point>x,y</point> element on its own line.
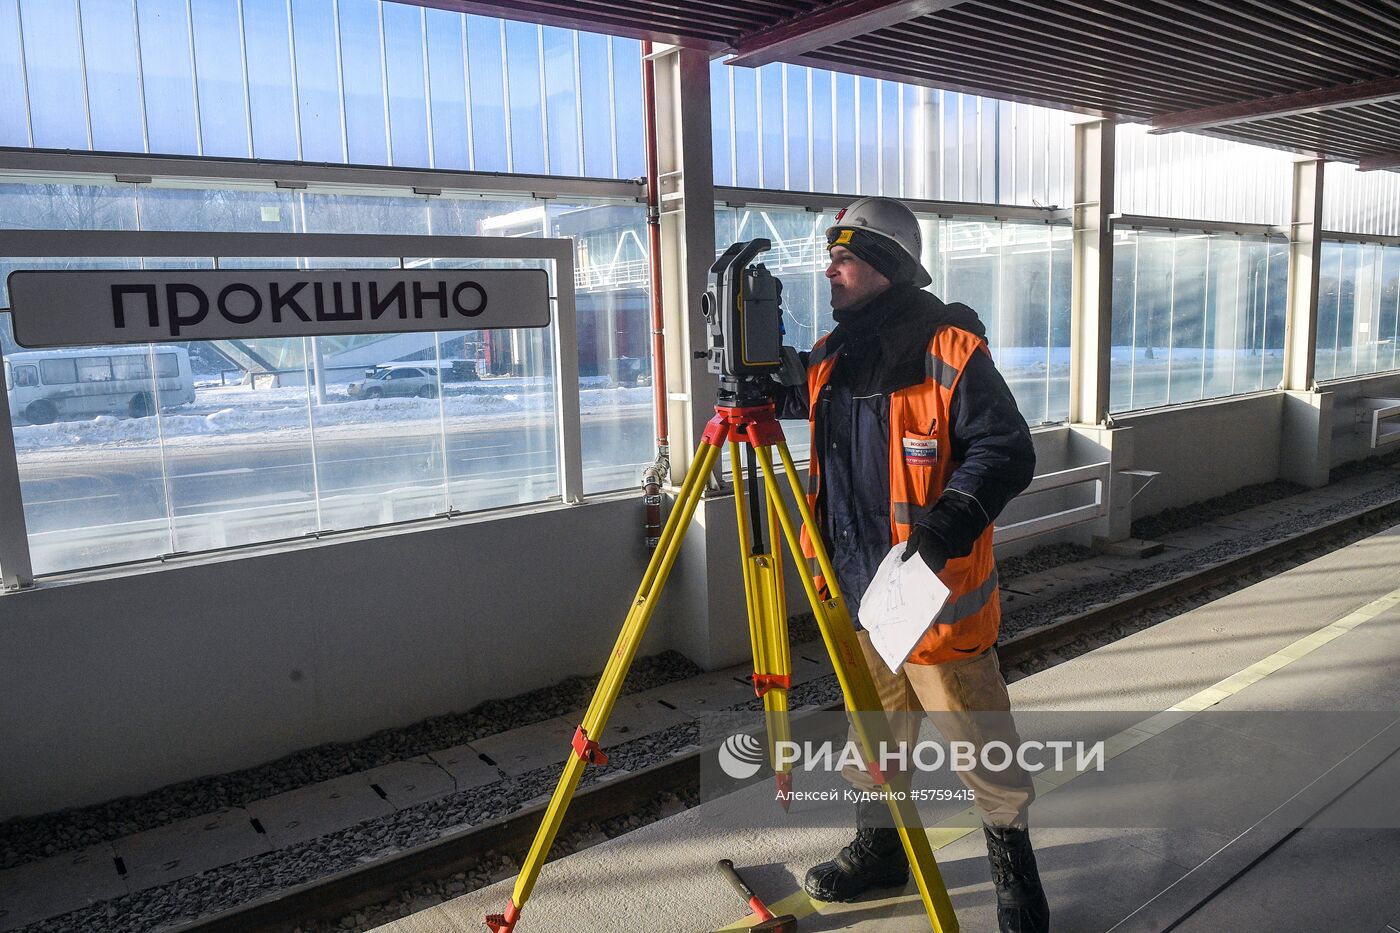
<point>659,472</point>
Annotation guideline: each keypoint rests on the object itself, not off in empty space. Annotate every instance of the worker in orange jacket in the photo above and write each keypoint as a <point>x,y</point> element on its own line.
<point>917,443</point>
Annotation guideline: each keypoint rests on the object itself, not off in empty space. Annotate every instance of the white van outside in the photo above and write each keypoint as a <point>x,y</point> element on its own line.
<point>50,385</point>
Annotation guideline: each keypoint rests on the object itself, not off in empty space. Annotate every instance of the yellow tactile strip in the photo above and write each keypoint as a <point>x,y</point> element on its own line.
<point>955,827</point>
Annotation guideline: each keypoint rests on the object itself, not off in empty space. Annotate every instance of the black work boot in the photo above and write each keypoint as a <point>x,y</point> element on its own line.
<point>874,859</point>
<point>1021,905</point>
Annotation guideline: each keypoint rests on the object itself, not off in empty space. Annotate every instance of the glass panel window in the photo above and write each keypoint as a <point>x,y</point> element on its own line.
<point>167,75</point>
<point>369,82</point>
<point>770,121</point>
<point>846,128</point>
<point>408,107</point>
<point>797,146</point>
<point>1358,309</point>
<point>891,114</point>
<point>1184,175</point>
<point>220,70</point>
<point>251,210</point>
<point>867,134</point>
<point>317,81</point>
<point>241,441</point>
<point>561,100</point>
<point>743,95</point>
<point>596,91</point>
<point>527,150</point>
<point>1359,202</point>
<point>55,75</point>
<point>14,107</point>
<point>92,487</point>
<point>366,125</point>
<point>272,105</point>
<point>447,74</point>
<point>627,77</point>
<point>823,166</point>
<point>722,127</point>
<point>109,45</point>
<point>1195,316</point>
<point>486,67</point>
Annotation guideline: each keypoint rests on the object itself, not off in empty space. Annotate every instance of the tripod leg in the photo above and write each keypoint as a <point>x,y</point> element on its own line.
<point>585,744</point>
<point>779,656</point>
<point>862,699</point>
<point>751,597</point>
<point>767,616</point>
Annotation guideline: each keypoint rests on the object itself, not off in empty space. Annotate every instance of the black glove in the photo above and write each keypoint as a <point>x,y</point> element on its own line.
<point>792,372</point>
<point>927,545</point>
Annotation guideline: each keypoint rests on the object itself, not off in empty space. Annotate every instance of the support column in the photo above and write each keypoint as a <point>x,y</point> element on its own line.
<point>1305,448</point>
<point>1091,301</point>
<point>1304,260</point>
<point>685,165</point>
<point>704,603</point>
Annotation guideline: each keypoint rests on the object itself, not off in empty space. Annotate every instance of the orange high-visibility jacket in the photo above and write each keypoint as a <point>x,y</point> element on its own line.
<point>920,466</point>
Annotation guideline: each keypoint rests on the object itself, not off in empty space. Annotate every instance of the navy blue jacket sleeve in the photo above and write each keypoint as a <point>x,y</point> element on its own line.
<point>993,443</point>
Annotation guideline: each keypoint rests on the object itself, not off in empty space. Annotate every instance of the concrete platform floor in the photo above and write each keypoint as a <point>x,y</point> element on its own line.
<point>1289,690</point>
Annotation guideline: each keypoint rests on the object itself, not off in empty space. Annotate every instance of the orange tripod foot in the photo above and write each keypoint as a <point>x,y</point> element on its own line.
<point>504,923</point>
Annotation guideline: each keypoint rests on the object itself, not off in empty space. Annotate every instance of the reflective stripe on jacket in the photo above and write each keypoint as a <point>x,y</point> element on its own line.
<point>920,464</point>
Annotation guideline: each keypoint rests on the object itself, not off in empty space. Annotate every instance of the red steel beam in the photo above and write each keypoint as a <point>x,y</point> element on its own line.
<point>1284,105</point>
<point>1380,160</point>
<point>827,25</point>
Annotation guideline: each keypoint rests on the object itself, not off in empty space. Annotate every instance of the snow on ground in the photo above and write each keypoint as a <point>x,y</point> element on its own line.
<point>224,411</point>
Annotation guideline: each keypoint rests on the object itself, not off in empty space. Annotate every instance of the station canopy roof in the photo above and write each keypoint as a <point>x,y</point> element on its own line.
<point>1319,78</point>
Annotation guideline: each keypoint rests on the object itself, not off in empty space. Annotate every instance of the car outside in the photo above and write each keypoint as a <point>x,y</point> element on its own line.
<point>395,380</point>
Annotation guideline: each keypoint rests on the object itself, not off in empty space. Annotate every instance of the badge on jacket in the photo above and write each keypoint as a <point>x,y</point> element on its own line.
<point>920,451</point>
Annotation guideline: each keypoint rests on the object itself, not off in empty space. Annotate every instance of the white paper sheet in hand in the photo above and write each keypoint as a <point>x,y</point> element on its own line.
<point>900,604</point>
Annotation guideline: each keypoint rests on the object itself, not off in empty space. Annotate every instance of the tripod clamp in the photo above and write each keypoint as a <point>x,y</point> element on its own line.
<point>762,683</point>
<point>587,749</point>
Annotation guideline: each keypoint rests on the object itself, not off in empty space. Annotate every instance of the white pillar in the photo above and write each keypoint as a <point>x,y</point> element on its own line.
<point>1305,450</point>
<point>1304,259</point>
<point>704,601</point>
<point>1091,301</point>
<point>685,166</point>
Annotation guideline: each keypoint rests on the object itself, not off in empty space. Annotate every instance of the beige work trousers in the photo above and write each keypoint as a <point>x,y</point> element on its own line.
<point>950,693</point>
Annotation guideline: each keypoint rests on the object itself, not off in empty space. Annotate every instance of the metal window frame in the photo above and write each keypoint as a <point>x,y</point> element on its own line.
<point>14,540</point>
<point>1339,236</point>
<point>219,172</point>
<point>763,197</point>
<point>1192,225</point>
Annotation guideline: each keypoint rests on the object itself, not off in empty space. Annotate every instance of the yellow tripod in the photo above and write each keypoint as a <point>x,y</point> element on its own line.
<point>756,427</point>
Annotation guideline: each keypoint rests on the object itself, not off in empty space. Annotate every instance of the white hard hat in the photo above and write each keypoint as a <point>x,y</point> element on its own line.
<point>888,218</point>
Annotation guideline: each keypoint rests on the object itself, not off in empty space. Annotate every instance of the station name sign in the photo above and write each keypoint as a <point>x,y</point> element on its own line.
<point>82,308</point>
